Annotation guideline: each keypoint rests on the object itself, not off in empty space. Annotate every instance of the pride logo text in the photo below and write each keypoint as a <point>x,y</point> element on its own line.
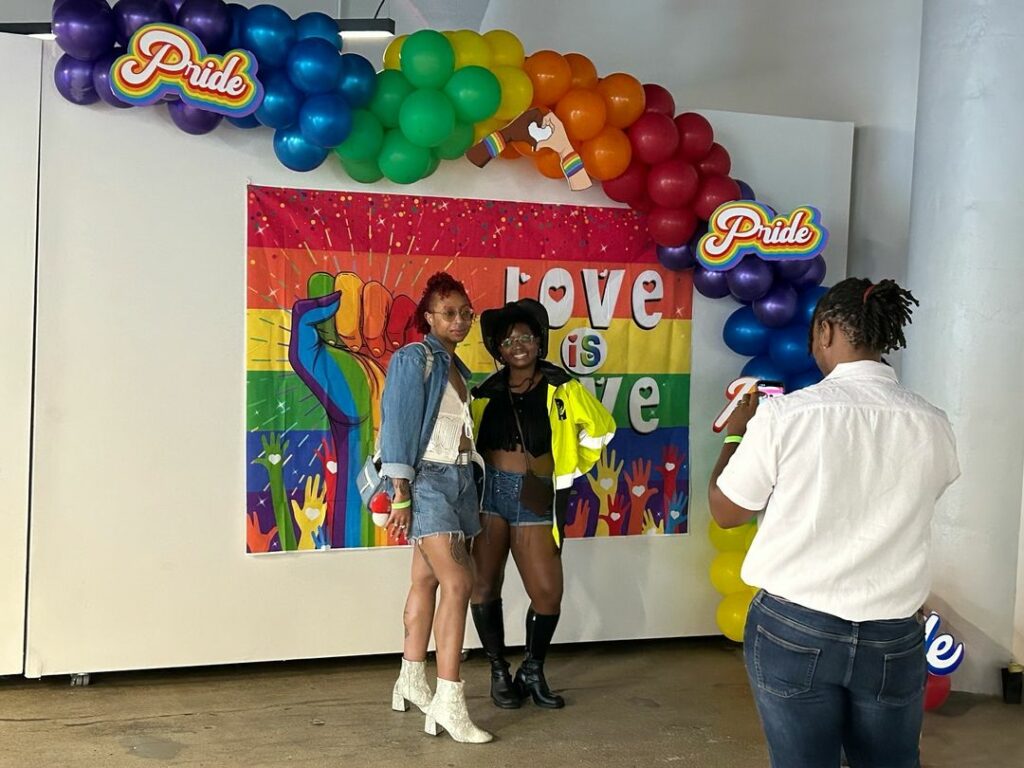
<point>744,227</point>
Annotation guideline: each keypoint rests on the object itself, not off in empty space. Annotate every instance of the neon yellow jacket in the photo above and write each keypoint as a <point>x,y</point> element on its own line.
<point>580,428</point>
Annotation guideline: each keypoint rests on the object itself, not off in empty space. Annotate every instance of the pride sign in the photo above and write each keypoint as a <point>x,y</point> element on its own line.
<point>744,227</point>
<point>165,60</point>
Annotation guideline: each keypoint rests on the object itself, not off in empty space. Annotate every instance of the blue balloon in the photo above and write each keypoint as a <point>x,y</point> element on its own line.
<point>238,14</point>
<point>764,368</point>
<point>295,152</point>
<point>806,303</point>
<point>358,80</point>
<point>746,193</point>
<point>314,66</point>
<point>788,348</point>
<point>268,32</point>
<point>325,120</point>
<point>281,102</point>
<point>744,335</point>
<point>807,378</point>
<point>320,25</point>
<point>249,121</point>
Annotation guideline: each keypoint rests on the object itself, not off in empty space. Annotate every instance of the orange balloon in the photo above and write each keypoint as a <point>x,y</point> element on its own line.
<point>550,74</point>
<point>624,97</point>
<point>549,163</point>
<point>607,155</point>
<point>509,153</point>
<point>584,73</point>
<point>522,147</point>
<point>582,112</point>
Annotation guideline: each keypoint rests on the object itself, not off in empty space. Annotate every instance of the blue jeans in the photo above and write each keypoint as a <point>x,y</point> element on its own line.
<point>444,501</point>
<point>501,499</point>
<point>822,683</point>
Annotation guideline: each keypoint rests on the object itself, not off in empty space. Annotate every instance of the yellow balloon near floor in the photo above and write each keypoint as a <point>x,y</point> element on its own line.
<point>393,52</point>
<point>750,537</point>
<point>725,573</point>
<point>729,539</point>
<point>732,614</point>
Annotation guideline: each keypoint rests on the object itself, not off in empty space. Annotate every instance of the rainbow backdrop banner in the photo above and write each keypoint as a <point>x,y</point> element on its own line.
<point>620,321</point>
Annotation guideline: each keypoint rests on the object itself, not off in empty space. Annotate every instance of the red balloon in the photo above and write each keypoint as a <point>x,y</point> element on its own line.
<point>713,191</point>
<point>628,186</point>
<point>717,160</point>
<point>659,100</point>
<point>671,226</point>
<point>654,138</point>
<point>695,136</point>
<point>642,204</point>
<point>936,691</point>
<point>672,183</point>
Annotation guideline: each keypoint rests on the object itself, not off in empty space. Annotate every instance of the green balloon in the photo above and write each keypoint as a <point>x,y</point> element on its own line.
<point>364,140</point>
<point>392,88</point>
<point>475,92</point>
<point>363,171</point>
<point>457,143</point>
<point>426,118</point>
<point>427,59</point>
<point>402,161</point>
<point>435,161</point>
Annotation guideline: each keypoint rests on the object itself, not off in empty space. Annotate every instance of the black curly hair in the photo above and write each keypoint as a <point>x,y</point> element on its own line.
<point>872,315</point>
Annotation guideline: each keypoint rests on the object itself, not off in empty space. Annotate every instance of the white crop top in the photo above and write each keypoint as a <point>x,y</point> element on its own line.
<point>454,421</point>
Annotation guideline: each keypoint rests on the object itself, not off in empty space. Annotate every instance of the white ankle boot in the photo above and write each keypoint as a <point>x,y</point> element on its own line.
<point>411,686</point>
<point>448,712</point>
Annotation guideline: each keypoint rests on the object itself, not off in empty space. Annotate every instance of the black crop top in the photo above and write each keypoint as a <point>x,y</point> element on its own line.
<point>498,429</point>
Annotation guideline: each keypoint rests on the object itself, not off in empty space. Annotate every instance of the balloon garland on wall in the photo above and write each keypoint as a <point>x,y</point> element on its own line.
<point>438,95</point>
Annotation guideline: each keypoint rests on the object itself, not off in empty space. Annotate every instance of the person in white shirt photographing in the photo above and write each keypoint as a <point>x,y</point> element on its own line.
<point>847,473</point>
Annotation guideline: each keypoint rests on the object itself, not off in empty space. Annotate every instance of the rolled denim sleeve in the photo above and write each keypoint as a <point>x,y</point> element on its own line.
<point>403,403</point>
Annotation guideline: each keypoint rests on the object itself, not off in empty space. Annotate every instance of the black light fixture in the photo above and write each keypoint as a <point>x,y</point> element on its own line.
<point>40,29</point>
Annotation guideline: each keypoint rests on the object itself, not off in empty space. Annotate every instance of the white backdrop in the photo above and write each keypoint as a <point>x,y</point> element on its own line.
<point>19,137</point>
<point>137,546</point>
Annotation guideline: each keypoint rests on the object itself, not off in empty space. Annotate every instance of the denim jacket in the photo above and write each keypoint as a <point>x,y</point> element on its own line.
<point>409,401</point>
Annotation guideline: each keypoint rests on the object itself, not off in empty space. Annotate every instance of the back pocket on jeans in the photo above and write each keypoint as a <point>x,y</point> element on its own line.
<point>903,676</point>
<point>781,667</point>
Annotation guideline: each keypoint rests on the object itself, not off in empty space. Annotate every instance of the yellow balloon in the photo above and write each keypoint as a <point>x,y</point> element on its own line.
<point>505,48</point>
<point>485,127</point>
<point>732,614</point>
<point>516,92</point>
<point>471,50</point>
<point>728,539</point>
<point>393,52</point>
<point>750,537</point>
<point>725,573</point>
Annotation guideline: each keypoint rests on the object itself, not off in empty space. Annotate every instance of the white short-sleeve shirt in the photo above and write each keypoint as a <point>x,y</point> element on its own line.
<point>850,470</point>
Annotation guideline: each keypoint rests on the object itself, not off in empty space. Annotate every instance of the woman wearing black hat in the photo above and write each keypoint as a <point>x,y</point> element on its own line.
<point>538,429</point>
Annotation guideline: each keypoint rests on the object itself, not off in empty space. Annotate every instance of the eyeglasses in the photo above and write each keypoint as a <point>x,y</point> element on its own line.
<point>511,341</point>
<point>450,315</point>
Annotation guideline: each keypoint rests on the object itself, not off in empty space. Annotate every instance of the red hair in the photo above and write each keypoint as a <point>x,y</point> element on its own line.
<point>440,285</point>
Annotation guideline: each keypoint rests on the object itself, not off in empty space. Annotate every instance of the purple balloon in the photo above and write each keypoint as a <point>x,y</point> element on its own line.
<point>174,6</point>
<point>193,119</point>
<point>129,15</point>
<point>777,307</point>
<point>73,78</point>
<point>813,276</point>
<point>209,20</point>
<point>84,28</point>
<point>746,193</point>
<point>791,270</point>
<point>676,257</point>
<point>711,284</point>
<point>101,79</point>
<point>750,279</point>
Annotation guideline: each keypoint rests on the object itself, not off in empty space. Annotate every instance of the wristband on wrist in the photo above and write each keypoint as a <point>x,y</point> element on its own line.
<point>733,439</point>
<point>401,504</point>
<point>495,143</point>
<point>572,164</point>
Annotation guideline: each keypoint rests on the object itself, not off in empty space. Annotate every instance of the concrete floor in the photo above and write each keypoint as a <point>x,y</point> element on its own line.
<point>677,703</point>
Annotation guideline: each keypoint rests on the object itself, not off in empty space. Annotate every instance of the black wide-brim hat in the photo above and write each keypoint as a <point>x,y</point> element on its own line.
<point>497,321</point>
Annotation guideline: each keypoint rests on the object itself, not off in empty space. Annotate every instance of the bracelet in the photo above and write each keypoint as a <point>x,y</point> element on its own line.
<point>495,143</point>
<point>572,164</point>
<point>401,504</point>
<point>733,439</point>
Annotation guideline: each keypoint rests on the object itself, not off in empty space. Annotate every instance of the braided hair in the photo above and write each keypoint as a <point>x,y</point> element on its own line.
<point>872,315</point>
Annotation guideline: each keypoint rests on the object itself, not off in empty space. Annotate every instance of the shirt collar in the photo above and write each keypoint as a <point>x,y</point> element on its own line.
<point>435,343</point>
<point>863,369</point>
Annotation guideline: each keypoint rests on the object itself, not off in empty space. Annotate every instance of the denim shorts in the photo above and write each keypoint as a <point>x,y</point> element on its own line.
<point>501,499</point>
<point>444,500</point>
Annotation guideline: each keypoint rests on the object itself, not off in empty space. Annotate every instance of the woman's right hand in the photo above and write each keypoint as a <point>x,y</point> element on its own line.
<point>399,520</point>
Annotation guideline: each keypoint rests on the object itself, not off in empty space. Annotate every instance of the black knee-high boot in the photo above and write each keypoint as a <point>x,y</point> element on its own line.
<point>530,679</point>
<point>490,625</point>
